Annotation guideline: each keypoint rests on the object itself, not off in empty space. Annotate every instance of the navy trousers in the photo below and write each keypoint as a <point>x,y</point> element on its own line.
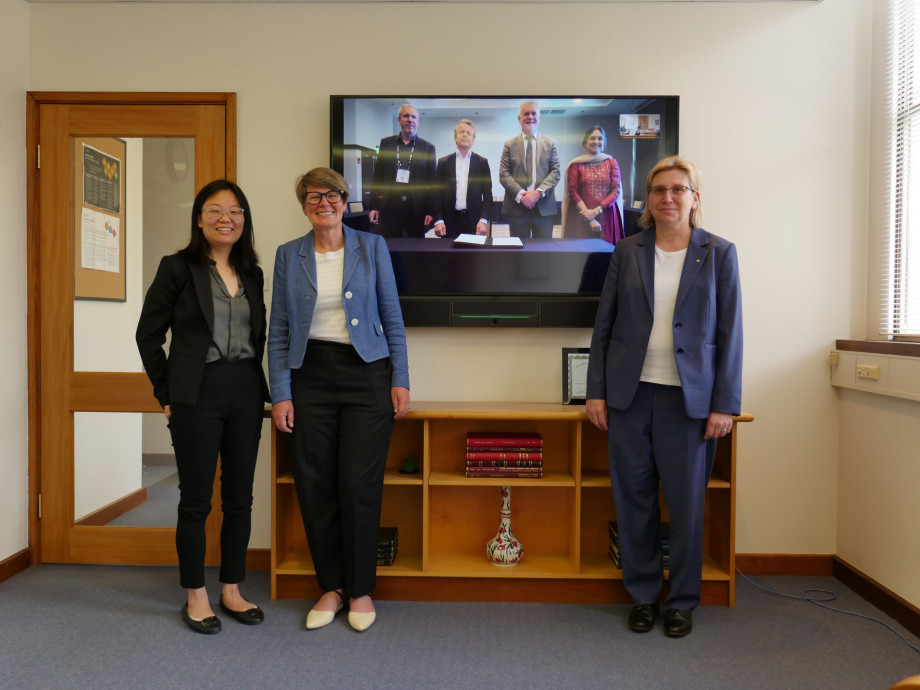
<point>343,420</point>
<point>653,442</point>
<point>226,420</point>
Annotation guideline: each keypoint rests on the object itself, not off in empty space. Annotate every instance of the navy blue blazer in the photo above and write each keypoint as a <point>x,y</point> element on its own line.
<point>179,300</point>
<point>707,324</point>
<point>369,297</point>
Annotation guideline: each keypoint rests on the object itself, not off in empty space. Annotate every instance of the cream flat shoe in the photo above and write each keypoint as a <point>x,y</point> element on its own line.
<point>361,621</point>
<point>320,619</point>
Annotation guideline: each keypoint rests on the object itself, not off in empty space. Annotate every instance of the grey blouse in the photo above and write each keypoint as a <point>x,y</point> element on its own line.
<point>232,331</point>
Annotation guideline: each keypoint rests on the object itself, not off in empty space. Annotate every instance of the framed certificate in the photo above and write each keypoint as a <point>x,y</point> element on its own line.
<point>574,375</point>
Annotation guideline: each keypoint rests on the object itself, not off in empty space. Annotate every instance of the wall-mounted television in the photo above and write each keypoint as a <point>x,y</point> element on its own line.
<point>552,282</point>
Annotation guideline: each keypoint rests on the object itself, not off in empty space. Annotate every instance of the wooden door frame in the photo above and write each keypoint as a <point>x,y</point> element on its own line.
<point>34,101</point>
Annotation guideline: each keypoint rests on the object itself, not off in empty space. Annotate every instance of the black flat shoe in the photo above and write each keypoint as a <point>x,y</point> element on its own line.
<point>207,626</point>
<point>642,617</point>
<point>252,616</point>
<point>677,623</point>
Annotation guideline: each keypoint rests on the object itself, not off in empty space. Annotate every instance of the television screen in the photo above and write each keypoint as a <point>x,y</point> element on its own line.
<point>549,280</point>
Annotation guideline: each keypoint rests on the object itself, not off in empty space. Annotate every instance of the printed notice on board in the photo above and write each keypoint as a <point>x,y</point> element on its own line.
<point>99,241</point>
<point>101,180</point>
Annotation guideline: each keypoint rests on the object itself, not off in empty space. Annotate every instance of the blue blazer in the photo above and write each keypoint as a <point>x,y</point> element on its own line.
<point>369,297</point>
<point>706,326</point>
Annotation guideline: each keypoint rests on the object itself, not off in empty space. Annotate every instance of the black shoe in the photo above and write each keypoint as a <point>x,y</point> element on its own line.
<point>642,617</point>
<point>252,616</point>
<point>677,623</point>
<point>207,626</point>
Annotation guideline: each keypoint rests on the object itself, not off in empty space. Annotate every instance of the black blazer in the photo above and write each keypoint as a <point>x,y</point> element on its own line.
<point>478,189</point>
<point>421,174</point>
<point>179,300</point>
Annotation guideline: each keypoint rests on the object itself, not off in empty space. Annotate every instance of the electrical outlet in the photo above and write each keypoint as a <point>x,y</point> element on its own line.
<point>868,371</point>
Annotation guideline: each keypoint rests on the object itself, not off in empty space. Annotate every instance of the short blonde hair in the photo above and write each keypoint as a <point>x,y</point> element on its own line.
<point>320,177</point>
<point>693,176</point>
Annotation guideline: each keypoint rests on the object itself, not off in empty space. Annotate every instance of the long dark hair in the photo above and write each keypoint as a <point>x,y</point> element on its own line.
<point>243,256</point>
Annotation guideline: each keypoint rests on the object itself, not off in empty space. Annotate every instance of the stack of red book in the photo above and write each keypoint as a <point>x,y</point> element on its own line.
<point>509,454</point>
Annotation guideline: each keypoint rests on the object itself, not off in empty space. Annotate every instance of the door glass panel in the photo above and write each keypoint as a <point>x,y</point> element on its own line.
<point>124,470</point>
<point>159,180</point>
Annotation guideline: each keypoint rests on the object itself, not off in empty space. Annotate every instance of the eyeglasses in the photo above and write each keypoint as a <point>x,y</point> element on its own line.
<point>676,191</point>
<point>314,198</point>
<point>216,213</point>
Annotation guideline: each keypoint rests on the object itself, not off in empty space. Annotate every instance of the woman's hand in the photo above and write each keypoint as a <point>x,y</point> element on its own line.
<point>718,425</point>
<point>283,416</point>
<point>590,214</point>
<point>597,412</point>
<point>400,397</point>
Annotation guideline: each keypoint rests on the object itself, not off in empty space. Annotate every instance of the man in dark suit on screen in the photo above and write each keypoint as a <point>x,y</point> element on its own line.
<point>463,188</point>
<point>401,199</point>
<point>529,172</point>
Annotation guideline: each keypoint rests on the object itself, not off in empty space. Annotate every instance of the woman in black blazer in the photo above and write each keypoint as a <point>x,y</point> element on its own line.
<point>211,387</point>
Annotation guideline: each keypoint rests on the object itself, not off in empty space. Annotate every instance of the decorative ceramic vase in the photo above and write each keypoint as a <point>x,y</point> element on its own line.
<point>504,548</point>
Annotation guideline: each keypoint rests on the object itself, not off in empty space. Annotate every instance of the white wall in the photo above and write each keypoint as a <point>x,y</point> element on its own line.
<point>14,82</point>
<point>878,470</point>
<point>879,476</point>
<point>791,195</point>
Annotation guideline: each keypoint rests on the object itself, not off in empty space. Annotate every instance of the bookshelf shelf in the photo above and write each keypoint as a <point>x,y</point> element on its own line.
<point>456,477</point>
<point>476,565</point>
<point>445,518</point>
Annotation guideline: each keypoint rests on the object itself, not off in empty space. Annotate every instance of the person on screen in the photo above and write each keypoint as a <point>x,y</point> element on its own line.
<point>212,389</point>
<point>529,171</point>
<point>404,172</point>
<point>664,379</point>
<point>339,377</point>
<point>463,188</point>
<point>592,189</point>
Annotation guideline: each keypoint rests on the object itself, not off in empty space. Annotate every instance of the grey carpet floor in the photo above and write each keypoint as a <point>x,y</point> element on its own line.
<point>66,626</point>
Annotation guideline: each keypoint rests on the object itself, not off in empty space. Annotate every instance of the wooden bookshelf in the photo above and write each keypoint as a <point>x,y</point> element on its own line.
<point>445,518</point>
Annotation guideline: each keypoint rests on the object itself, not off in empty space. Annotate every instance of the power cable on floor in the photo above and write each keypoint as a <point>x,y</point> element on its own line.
<point>826,596</point>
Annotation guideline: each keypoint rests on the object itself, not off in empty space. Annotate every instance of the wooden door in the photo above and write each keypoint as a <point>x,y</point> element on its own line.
<point>56,390</point>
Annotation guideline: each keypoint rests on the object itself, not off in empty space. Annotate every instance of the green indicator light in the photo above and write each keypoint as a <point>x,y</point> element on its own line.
<point>494,316</point>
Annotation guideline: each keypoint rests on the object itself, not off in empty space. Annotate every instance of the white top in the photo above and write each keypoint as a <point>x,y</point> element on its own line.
<point>463,175</point>
<point>329,314</point>
<point>660,365</point>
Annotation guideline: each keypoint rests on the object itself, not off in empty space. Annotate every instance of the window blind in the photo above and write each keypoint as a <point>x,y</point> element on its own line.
<point>901,272</point>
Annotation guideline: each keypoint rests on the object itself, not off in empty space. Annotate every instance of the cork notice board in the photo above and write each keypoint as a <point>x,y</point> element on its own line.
<point>99,218</point>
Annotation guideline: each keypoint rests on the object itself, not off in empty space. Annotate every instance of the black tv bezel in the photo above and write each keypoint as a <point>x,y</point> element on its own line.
<point>488,307</point>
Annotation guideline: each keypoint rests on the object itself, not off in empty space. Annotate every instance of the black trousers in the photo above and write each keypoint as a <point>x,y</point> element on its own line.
<point>399,219</point>
<point>226,420</point>
<point>343,420</point>
<point>459,222</point>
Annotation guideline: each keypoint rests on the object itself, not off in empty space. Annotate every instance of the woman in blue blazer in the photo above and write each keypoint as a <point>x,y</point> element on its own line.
<point>338,368</point>
<point>211,387</point>
<point>664,379</point>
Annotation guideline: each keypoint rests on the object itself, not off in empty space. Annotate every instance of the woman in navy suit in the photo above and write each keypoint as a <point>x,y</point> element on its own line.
<point>664,379</point>
<point>338,368</point>
<point>211,387</point>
